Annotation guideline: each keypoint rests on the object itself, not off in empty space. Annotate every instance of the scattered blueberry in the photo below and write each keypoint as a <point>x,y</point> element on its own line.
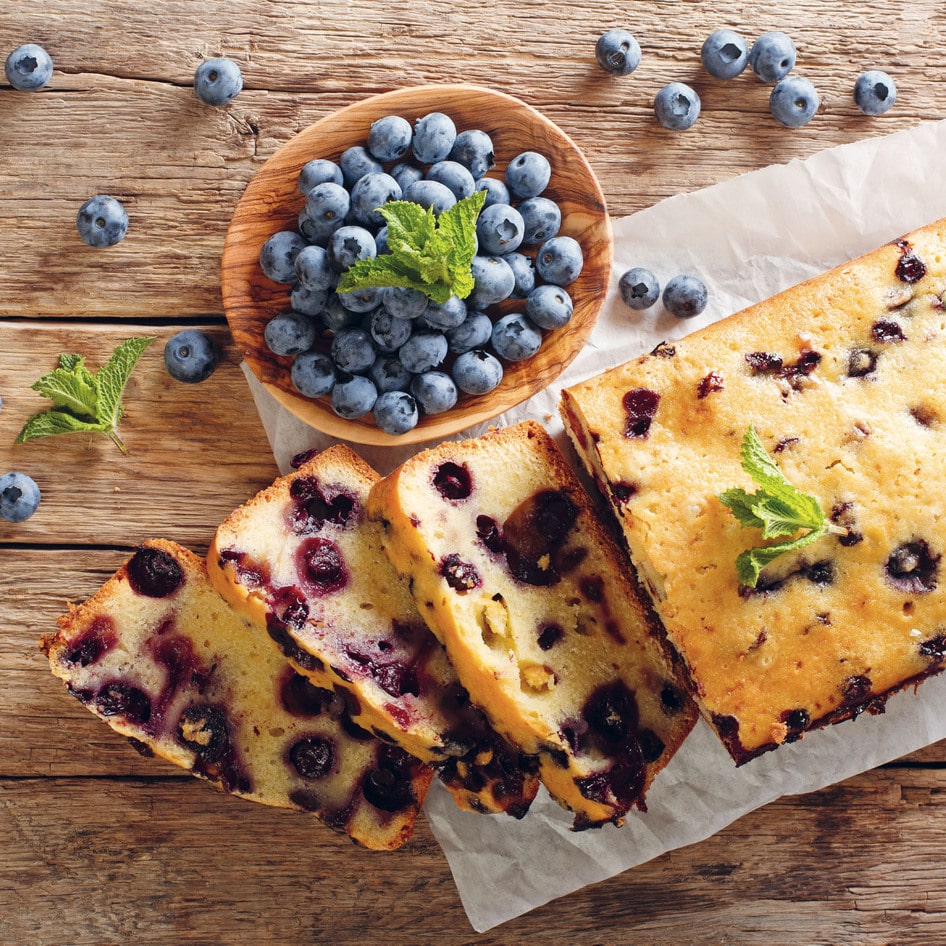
<point>874,92</point>
<point>395,412</point>
<point>319,171</point>
<point>352,350</point>
<point>313,374</point>
<point>559,260</point>
<point>277,257</point>
<point>190,356</point>
<point>389,138</point>
<point>725,54</point>
<point>430,194</point>
<point>477,372</point>
<point>639,288</point>
<point>371,192</point>
<point>102,221</point>
<point>677,106</point>
<point>423,351</point>
<point>435,391</point>
<point>474,150</point>
<point>549,306</point>
<point>28,67</point>
<point>218,81</point>
<point>541,219</point>
<point>19,496</point>
<point>353,396</point>
<point>685,296</point>
<point>617,52</point>
<point>499,229</point>
<point>794,101</point>
<point>434,135</point>
<point>515,337</point>
<point>772,56</point>
<point>290,333</point>
<point>528,174</point>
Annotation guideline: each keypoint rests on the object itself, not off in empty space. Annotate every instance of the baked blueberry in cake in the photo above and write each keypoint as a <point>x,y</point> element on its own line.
<point>163,659</point>
<point>843,380</point>
<point>301,562</point>
<point>539,614</point>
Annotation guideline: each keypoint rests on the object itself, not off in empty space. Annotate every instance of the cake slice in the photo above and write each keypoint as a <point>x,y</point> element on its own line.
<point>533,600</point>
<point>301,562</point>
<point>843,380</point>
<point>163,659</point>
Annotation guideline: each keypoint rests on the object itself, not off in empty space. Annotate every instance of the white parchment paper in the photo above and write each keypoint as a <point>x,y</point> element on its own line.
<point>747,239</point>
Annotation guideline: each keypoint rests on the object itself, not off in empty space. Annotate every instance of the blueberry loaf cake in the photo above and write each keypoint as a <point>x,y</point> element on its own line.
<point>302,563</point>
<point>843,381</point>
<point>159,655</point>
<point>538,612</point>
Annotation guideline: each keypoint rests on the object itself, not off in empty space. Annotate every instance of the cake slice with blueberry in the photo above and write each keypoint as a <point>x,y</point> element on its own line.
<point>165,661</point>
<point>304,565</point>
<point>843,381</point>
<point>533,599</point>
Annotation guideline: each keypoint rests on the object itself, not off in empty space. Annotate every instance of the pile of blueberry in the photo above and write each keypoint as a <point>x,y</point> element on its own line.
<point>392,352</point>
<point>793,101</point>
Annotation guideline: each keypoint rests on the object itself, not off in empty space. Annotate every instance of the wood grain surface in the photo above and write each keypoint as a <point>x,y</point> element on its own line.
<point>100,846</point>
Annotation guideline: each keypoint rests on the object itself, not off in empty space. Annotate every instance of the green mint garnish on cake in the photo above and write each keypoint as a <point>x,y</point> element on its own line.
<point>429,253</point>
<point>777,508</point>
<point>85,401</point>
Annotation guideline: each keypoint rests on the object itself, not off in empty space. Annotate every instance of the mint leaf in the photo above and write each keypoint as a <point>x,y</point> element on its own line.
<point>777,508</point>
<point>85,401</point>
<point>427,253</point>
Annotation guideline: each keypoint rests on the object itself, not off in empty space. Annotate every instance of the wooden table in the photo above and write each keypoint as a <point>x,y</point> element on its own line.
<point>100,846</point>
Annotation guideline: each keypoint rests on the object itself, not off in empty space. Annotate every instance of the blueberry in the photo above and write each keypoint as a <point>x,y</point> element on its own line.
<point>218,81</point>
<point>381,241</point>
<point>473,332</point>
<point>326,209</point>
<point>102,221</point>
<point>685,296</point>
<point>313,374</point>
<point>430,194</point>
<point>190,356</point>
<point>353,396</point>
<point>528,174</point>
<point>389,374</point>
<point>515,337</point>
<point>434,135</point>
<point>677,106</point>
<point>423,351</point>
<point>541,218</point>
<point>19,496</point>
<point>404,303</point>
<point>356,162</point>
<point>395,412</point>
<point>434,391</point>
<point>549,306</point>
<point>874,92</point>
<point>474,150</point>
<point>559,260</point>
<point>617,52</point>
<point>353,350</point>
<point>361,300</point>
<point>28,67</point>
<point>454,176</point>
<point>371,192</point>
<point>493,281</point>
<point>524,270</point>
<point>639,288</point>
<point>388,332</point>
<point>496,191</point>
<point>277,256</point>
<point>319,171</point>
<point>725,54</point>
<point>349,244</point>
<point>772,56</point>
<point>477,372</point>
<point>335,316</point>
<point>794,101</point>
<point>499,229</point>
<point>389,138</point>
<point>290,333</point>
<point>445,315</point>
<point>314,269</point>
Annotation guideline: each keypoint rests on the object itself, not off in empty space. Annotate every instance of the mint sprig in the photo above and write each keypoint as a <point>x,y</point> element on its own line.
<point>777,508</point>
<point>426,252</point>
<point>83,400</point>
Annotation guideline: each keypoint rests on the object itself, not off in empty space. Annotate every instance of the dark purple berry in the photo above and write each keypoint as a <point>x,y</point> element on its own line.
<point>912,567</point>
<point>123,699</point>
<point>313,757</point>
<point>90,646</point>
<point>154,573</point>
<point>453,481</point>
<point>205,731</point>
<point>320,566</point>
<point>640,406</point>
<point>461,576</point>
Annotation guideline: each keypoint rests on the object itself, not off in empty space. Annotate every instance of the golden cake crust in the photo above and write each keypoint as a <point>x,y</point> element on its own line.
<point>843,378</point>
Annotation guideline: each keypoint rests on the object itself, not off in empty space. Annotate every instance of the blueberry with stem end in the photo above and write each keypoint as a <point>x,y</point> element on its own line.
<point>19,496</point>
<point>190,356</point>
<point>102,221</point>
<point>28,68</point>
<point>617,52</point>
<point>218,81</point>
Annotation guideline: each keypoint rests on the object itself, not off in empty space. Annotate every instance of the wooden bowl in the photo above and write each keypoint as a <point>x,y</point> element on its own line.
<point>272,202</point>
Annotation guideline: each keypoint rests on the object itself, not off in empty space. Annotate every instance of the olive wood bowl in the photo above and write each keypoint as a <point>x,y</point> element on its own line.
<point>272,201</point>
